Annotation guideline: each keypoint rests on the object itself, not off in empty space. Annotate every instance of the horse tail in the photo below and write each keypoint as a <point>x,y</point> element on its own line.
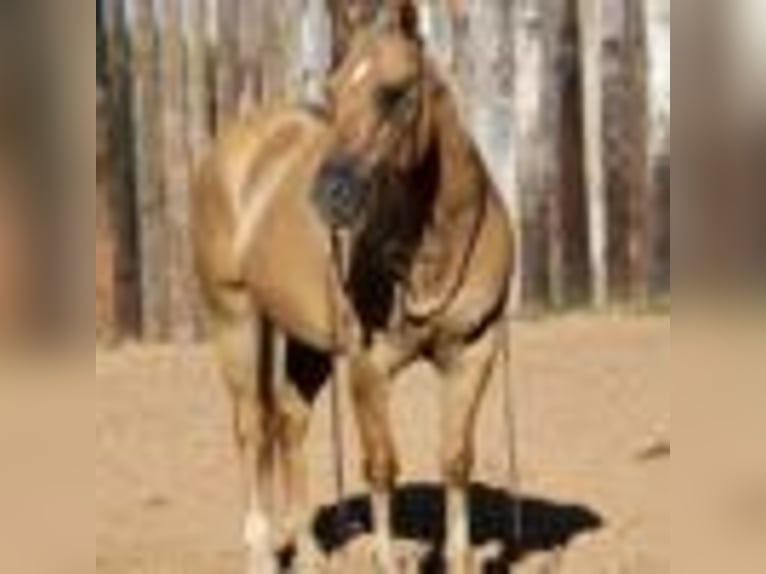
<point>271,367</point>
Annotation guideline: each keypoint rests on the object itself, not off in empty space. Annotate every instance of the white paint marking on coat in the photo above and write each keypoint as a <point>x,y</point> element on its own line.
<point>267,184</point>
<point>256,529</point>
<point>265,137</point>
<point>361,72</point>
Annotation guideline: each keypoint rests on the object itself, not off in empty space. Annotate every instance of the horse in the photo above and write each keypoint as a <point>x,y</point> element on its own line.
<point>431,256</point>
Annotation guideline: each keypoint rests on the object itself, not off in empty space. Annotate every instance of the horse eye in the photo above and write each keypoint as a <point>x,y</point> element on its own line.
<point>388,98</point>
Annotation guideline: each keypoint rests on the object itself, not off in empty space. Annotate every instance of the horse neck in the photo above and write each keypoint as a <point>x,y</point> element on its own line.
<point>460,185</point>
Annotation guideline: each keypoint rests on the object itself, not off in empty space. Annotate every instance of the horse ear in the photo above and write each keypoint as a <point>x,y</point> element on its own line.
<point>347,17</point>
<point>405,16</point>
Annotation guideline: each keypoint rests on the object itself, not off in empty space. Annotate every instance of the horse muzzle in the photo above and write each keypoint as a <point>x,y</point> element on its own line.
<point>341,193</point>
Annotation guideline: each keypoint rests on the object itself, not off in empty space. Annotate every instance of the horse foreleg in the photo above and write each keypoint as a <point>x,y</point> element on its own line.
<point>370,387</point>
<point>297,537</point>
<point>467,370</point>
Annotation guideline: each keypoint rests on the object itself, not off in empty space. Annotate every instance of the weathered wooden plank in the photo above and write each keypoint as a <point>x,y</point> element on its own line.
<point>591,54</point>
<point>227,61</point>
<point>199,124</point>
<point>626,148</point>
<point>531,147</point>
<point>176,171</point>
<point>118,122</point>
<point>147,116</point>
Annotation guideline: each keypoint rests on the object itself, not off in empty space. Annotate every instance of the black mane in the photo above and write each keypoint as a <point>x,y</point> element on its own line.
<point>400,209</point>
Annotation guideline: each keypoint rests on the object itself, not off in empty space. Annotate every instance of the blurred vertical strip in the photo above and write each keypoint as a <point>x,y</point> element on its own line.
<point>122,183</point>
<point>51,145</point>
<point>67,100</point>
<point>100,43</point>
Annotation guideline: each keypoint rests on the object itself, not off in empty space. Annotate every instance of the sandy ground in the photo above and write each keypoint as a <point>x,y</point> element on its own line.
<point>593,429</point>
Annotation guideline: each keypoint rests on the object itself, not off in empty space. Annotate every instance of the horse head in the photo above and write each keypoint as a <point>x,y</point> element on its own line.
<point>379,103</point>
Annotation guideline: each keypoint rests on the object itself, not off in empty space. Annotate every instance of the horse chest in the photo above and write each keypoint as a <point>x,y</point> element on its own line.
<point>393,273</point>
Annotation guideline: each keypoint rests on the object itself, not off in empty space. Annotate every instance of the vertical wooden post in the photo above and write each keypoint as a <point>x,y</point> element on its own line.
<point>590,21</point>
<point>570,269</point>
<point>250,28</point>
<point>638,155</point>
<point>198,94</point>
<point>552,121</point>
<point>199,110</point>
<point>176,171</point>
<point>625,151</point>
<point>148,155</point>
<point>226,62</point>
<point>338,29</point>
<point>315,49</point>
<point>275,48</point>
<point>531,150</point>
<point>122,196</point>
<point>481,55</point>
<point>658,45</point>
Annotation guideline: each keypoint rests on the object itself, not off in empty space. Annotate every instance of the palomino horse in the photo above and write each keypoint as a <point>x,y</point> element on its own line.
<point>432,255</point>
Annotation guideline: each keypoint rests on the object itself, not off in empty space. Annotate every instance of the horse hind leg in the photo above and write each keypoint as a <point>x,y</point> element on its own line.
<point>468,371</point>
<point>303,374</point>
<point>371,374</point>
<point>236,336</point>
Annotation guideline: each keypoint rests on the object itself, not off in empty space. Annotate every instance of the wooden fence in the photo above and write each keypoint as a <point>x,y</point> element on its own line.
<point>554,91</point>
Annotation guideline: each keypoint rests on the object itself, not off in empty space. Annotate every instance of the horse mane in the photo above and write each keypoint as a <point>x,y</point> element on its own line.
<point>404,206</point>
<point>400,209</point>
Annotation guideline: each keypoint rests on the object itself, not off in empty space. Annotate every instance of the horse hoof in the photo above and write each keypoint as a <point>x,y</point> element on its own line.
<point>262,563</point>
<point>385,567</point>
<point>262,567</point>
<point>308,561</point>
<point>384,563</point>
<point>463,564</point>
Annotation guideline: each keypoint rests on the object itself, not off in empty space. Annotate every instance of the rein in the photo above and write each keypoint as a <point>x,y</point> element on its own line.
<point>515,531</point>
<point>341,372</point>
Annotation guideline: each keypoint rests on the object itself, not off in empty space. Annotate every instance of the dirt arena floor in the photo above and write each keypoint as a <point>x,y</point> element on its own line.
<point>593,428</point>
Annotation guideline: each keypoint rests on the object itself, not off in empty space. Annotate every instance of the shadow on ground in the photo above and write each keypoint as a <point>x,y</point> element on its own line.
<point>419,515</point>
